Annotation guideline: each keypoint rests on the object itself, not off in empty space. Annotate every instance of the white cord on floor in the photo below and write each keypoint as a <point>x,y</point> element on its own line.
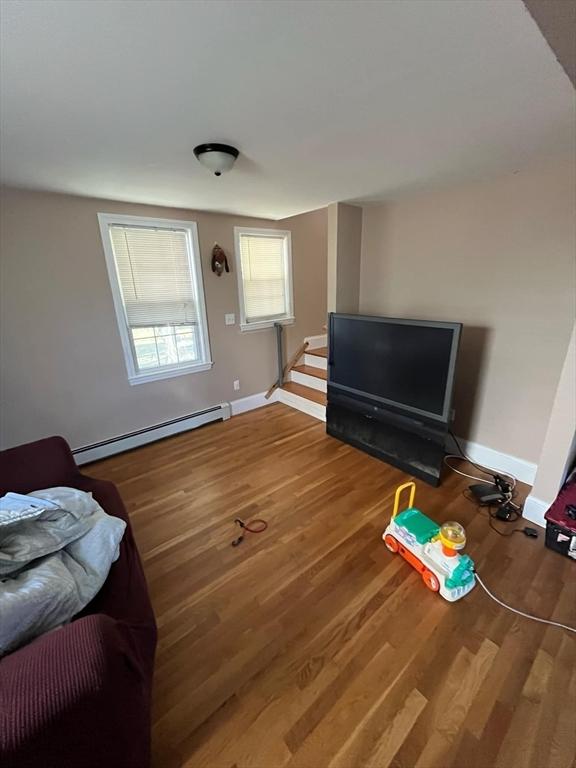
<point>489,470</point>
<point>459,471</point>
<point>521,613</point>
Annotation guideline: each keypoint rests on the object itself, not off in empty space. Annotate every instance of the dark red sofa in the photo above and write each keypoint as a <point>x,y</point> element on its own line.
<point>79,696</point>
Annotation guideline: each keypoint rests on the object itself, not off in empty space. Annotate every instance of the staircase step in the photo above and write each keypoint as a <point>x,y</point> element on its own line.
<point>318,352</point>
<point>307,380</point>
<point>310,370</point>
<point>304,399</point>
<point>315,361</point>
<point>306,392</point>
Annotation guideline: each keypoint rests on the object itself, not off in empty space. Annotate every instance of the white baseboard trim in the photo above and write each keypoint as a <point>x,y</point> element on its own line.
<point>302,404</point>
<point>251,402</point>
<point>122,443</point>
<point>523,470</point>
<point>535,509</point>
<point>315,342</point>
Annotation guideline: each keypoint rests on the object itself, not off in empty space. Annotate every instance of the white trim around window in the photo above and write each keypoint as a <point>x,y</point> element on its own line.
<point>287,317</point>
<point>203,361</point>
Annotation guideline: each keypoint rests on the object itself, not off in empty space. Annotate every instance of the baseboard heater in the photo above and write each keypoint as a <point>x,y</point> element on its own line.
<point>150,434</point>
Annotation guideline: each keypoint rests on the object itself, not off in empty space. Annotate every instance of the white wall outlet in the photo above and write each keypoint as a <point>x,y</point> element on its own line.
<point>230,319</point>
<point>236,384</point>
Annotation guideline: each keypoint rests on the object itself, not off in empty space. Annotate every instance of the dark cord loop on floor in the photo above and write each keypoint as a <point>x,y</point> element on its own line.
<point>252,526</point>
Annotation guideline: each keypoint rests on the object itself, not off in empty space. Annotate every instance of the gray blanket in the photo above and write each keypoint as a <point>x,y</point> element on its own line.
<point>56,549</point>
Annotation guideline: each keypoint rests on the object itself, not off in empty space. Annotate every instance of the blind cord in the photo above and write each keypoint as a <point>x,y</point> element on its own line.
<point>131,265</point>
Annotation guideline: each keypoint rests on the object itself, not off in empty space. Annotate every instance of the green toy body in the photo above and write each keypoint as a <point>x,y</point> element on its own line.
<point>419,540</point>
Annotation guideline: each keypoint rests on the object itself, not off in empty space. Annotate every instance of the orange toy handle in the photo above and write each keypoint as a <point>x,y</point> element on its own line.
<point>399,490</point>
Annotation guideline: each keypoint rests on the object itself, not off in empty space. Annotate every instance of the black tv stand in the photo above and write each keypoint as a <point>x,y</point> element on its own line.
<point>413,445</point>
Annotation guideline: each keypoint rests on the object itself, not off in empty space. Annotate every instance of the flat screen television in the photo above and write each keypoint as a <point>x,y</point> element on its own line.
<point>407,365</point>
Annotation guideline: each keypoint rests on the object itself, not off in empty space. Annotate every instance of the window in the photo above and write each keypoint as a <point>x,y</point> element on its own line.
<point>156,279</point>
<point>264,267</point>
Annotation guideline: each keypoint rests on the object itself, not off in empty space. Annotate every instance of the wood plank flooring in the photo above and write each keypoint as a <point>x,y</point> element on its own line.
<point>310,644</point>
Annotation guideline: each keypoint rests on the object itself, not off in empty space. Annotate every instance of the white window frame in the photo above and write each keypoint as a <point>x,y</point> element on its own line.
<point>286,319</point>
<point>190,227</point>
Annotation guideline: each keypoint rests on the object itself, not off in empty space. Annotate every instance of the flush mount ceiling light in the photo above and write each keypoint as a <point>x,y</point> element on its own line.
<point>218,158</point>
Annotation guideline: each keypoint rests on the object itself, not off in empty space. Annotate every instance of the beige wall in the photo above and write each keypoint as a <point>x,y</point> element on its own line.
<point>557,22</point>
<point>499,256</point>
<point>349,253</point>
<point>309,253</point>
<point>63,369</point>
<point>332,259</point>
<point>344,251</point>
<point>559,443</point>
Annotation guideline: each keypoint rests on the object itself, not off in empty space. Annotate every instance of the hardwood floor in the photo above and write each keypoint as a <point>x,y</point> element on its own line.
<point>312,645</point>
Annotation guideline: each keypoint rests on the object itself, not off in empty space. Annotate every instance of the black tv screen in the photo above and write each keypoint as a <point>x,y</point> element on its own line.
<point>406,364</point>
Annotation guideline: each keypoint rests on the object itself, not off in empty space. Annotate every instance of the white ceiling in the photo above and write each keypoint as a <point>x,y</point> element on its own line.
<point>326,100</point>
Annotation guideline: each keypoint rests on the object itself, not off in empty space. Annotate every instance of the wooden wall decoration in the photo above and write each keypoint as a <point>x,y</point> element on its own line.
<point>219,260</point>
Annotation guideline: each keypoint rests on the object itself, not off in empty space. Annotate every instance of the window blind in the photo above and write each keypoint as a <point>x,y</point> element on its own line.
<point>263,276</point>
<point>154,275</point>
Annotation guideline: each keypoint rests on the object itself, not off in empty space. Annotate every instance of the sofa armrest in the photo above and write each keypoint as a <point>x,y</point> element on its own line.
<point>77,696</point>
<point>42,464</point>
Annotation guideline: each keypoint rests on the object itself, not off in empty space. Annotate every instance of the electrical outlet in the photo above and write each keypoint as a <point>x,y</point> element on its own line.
<point>236,384</point>
<point>230,319</point>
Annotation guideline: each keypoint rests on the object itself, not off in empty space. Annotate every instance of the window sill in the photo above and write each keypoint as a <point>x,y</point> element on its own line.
<point>266,324</point>
<point>144,378</point>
